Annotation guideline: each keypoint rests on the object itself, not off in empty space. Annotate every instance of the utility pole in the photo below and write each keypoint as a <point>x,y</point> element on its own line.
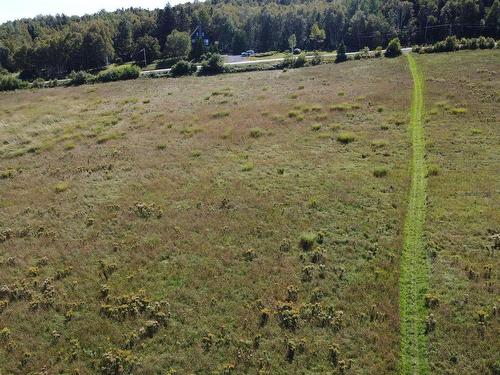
<point>145,60</point>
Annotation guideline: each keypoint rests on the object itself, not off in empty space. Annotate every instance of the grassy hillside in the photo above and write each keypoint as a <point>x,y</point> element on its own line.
<point>245,223</point>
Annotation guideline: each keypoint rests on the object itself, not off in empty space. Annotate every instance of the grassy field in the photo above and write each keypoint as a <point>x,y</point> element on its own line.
<point>244,223</point>
<point>463,215</point>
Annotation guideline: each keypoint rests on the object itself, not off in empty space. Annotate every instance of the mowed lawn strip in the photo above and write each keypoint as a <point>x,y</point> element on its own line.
<point>414,262</point>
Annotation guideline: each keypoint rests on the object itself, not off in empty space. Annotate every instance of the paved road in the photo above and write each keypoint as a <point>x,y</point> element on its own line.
<point>261,61</point>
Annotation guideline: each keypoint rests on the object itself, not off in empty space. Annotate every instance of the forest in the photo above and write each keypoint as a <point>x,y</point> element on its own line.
<point>53,46</point>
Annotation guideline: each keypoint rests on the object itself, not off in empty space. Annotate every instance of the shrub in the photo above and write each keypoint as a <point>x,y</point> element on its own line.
<point>346,137</point>
<point>341,53</point>
<point>10,83</point>
<point>378,52</point>
<point>213,65</point>
<point>485,43</point>
<point>287,60</point>
<point>451,44</point>
<point>183,68</point>
<point>80,78</point>
<point>38,83</point>
<point>394,48</point>
<point>300,61</point>
<point>317,58</point>
<point>120,73</point>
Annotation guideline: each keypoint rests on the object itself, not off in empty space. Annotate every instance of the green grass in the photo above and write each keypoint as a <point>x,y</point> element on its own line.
<point>414,279</point>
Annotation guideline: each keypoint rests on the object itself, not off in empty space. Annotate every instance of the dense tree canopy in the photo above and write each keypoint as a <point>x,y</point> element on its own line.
<point>50,46</point>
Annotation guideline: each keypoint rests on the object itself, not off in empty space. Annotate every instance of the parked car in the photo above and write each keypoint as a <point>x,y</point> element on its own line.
<point>297,51</point>
<point>248,53</point>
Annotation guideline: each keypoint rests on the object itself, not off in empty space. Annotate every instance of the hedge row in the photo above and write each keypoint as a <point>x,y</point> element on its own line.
<point>451,44</point>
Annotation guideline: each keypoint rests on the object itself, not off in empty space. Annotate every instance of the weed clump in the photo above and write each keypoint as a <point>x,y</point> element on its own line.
<point>433,170</point>
<point>290,351</point>
<point>307,273</point>
<point>292,293</point>
<point>288,317</point>
<point>117,363</point>
<point>333,355</point>
<point>264,316</point>
<point>256,132</point>
<point>147,210</point>
<point>346,138</point>
<point>249,255</point>
<point>221,114</point>
<point>8,173</point>
<point>344,107</point>
<point>307,240</point>
<point>431,301</point>
<point>61,187</point>
<point>430,324</point>
<point>285,245</point>
<point>380,172</point>
<point>247,167</point>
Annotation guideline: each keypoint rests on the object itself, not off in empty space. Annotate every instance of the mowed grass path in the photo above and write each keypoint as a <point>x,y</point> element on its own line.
<point>414,263</point>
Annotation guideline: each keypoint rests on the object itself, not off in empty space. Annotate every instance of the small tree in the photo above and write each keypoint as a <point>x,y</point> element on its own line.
<point>393,49</point>
<point>178,44</point>
<point>198,49</point>
<point>341,54</point>
<point>292,42</point>
<point>150,45</point>
<point>317,35</point>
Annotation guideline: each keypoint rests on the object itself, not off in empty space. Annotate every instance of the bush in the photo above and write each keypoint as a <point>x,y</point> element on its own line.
<point>486,43</point>
<point>183,68</point>
<point>287,60</point>
<point>9,83</point>
<point>120,73</point>
<point>317,58</point>
<point>341,53</point>
<point>38,83</point>
<point>300,61</point>
<point>451,44</point>
<point>393,49</point>
<point>213,65</point>
<point>80,78</point>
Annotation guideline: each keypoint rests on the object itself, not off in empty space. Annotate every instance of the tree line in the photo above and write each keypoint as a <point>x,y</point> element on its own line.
<point>52,46</point>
